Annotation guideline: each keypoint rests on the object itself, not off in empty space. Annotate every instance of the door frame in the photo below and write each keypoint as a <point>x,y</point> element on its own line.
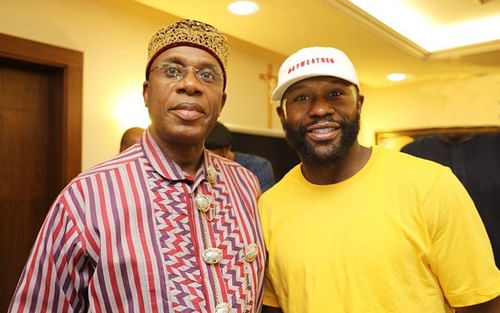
<point>70,62</point>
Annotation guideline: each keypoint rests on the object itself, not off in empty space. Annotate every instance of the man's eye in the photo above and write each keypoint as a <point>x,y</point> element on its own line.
<point>335,93</point>
<point>301,98</point>
<point>171,71</point>
<point>206,74</point>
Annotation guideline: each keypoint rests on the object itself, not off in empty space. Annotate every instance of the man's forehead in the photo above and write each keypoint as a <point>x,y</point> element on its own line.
<point>187,55</point>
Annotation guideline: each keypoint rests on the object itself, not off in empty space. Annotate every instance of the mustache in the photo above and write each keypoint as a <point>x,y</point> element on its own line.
<point>318,120</point>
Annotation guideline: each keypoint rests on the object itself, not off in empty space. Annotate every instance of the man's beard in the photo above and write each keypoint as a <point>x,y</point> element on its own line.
<point>328,152</point>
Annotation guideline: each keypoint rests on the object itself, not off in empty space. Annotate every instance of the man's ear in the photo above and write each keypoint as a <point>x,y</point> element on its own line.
<point>222,101</point>
<point>361,100</point>
<point>145,86</point>
<point>281,114</point>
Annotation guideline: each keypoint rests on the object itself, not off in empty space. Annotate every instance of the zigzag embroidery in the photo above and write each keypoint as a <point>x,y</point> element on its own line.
<point>229,237</point>
<point>184,277</point>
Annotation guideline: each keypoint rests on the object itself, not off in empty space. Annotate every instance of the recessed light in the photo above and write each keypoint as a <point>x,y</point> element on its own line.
<point>397,77</point>
<point>243,7</point>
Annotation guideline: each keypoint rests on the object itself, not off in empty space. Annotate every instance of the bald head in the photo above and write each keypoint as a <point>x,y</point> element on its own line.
<point>131,136</point>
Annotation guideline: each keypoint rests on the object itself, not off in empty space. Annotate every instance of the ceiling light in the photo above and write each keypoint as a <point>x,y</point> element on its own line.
<point>243,7</point>
<point>396,77</point>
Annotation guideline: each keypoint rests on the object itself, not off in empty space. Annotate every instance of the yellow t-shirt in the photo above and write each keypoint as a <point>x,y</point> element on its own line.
<point>402,235</point>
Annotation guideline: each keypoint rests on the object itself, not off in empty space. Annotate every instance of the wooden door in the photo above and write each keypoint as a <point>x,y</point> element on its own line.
<point>25,162</point>
<point>35,162</point>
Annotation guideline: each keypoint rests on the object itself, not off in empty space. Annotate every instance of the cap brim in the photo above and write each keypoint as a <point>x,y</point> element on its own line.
<point>280,91</point>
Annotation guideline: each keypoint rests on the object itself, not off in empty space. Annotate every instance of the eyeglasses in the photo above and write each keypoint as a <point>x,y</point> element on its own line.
<point>176,72</point>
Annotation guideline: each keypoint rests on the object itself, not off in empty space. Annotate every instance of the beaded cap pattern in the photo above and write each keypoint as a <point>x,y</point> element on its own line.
<point>190,33</point>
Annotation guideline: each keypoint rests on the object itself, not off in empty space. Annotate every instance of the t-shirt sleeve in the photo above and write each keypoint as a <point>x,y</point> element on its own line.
<point>461,256</point>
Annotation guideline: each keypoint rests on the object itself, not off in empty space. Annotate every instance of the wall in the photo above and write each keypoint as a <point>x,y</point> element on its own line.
<point>464,101</point>
<point>113,36</point>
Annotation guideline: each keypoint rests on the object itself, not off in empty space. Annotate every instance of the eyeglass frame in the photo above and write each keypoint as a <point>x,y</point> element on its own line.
<point>184,69</point>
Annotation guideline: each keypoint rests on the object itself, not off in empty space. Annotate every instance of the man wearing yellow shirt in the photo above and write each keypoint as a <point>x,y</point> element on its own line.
<point>353,229</point>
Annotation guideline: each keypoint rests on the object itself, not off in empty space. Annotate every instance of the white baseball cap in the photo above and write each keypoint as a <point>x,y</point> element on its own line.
<point>313,62</point>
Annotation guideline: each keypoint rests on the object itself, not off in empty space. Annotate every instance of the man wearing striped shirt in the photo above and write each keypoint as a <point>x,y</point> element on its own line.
<point>165,226</point>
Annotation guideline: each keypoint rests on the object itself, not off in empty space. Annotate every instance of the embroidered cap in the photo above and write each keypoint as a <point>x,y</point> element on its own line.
<point>313,62</point>
<point>189,33</point>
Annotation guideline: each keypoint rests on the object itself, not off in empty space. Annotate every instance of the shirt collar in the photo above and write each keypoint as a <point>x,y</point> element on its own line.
<point>167,168</point>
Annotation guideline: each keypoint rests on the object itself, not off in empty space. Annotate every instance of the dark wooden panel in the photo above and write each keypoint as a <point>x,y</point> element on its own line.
<point>70,63</point>
<point>26,189</point>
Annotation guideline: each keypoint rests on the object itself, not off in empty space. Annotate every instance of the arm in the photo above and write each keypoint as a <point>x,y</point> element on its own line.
<point>268,309</point>
<point>55,273</point>
<point>492,306</point>
<point>466,272</point>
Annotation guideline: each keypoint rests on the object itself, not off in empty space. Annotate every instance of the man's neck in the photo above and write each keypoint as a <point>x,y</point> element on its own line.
<point>189,165</point>
<point>325,174</point>
<point>187,156</point>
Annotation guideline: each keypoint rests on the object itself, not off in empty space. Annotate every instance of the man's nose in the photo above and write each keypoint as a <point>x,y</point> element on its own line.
<point>321,107</point>
<point>189,83</point>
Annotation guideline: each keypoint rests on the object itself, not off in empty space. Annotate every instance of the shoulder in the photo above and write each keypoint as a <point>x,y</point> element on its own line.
<point>246,157</point>
<point>404,174</point>
<point>123,159</point>
<point>397,161</point>
<point>114,178</point>
<point>254,163</point>
<point>233,169</point>
<point>288,184</point>
<point>401,174</point>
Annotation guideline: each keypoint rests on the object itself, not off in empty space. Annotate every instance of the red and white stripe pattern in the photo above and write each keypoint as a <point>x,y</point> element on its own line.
<point>125,237</point>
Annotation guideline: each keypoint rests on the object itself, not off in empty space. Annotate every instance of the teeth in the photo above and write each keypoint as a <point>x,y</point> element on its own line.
<point>322,130</point>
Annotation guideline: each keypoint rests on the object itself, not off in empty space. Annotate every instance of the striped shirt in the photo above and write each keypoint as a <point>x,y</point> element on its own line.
<point>125,236</point>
